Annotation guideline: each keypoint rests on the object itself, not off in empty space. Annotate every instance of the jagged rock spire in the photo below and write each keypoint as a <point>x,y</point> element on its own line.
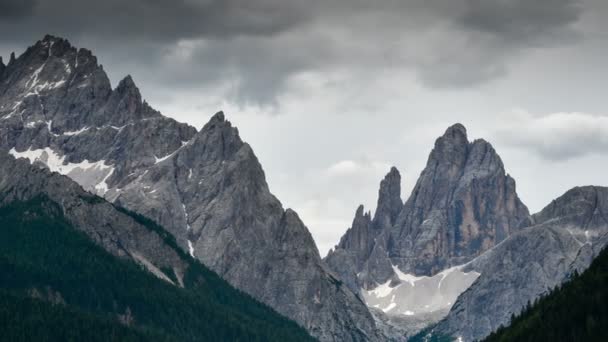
<point>217,117</point>
<point>389,200</point>
<point>362,234</point>
<point>463,204</point>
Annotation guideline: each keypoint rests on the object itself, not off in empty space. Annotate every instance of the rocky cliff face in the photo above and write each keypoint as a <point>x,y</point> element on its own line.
<point>567,235</point>
<point>462,205</point>
<point>43,217</point>
<point>58,110</point>
<point>353,253</point>
<point>407,261</point>
<point>115,231</point>
<point>2,66</point>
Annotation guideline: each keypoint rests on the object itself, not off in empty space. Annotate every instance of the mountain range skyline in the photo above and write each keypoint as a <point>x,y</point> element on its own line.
<point>323,194</point>
<point>376,86</point>
<point>458,257</point>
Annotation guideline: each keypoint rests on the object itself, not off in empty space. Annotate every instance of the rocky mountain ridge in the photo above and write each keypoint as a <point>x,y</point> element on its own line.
<point>459,243</point>
<point>408,262</point>
<point>565,237</point>
<point>462,205</point>
<point>117,232</point>
<point>64,246</point>
<point>206,187</point>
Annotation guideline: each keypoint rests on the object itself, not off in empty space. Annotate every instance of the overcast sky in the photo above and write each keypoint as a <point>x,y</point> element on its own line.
<point>331,93</point>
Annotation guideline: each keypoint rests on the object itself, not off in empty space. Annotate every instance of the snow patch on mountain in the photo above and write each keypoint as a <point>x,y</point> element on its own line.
<point>82,130</point>
<point>92,176</point>
<point>191,248</point>
<point>410,295</point>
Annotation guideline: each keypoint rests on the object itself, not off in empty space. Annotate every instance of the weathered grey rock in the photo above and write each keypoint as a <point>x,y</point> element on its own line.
<point>353,253</point>
<point>115,231</point>
<point>2,67</point>
<point>462,205</point>
<point>389,200</point>
<point>567,235</point>
<point>406,261</point>
<point>353,249</point>
<point>240,230</point>
<point>207,188</point>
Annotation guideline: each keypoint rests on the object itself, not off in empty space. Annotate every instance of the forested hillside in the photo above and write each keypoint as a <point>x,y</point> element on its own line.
<point>577,311</point>
<point>56,283</point>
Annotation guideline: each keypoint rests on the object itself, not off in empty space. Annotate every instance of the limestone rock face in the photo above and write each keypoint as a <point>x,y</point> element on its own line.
<point>566,236</point>
<point>115,231</point>
<point>462,205</point>
<point>58,110</point>
<point>389,200</point>
<point>355,249</point>
<point>2,66</point>
<point>407,262</point>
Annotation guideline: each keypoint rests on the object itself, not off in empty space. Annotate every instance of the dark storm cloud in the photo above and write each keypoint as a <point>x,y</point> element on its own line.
<point>520,20</point>
<point>13,10</point>
<point>254,47</point>
<point>486,35</point>
<point>154,19</point>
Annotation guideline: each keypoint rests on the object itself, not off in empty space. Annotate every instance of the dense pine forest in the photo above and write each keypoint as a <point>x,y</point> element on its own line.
<point>23,318</point>
<point>56,284</point>
<point>576,311</point>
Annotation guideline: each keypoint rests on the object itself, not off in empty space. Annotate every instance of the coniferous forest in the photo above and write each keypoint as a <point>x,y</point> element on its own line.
<point>56,284</point>
<point>576,311</point>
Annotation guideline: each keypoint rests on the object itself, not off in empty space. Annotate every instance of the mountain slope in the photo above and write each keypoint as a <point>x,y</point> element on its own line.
<point>462,205</point>
<point>576,311</point>
<point>205,187</point>
<point>567,235</point>
<point>27,319</point>
<point>408,260</point>
<point>353,252</point>
<point>113,268</point>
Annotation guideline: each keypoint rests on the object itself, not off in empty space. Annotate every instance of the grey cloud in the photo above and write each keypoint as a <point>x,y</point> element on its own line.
<point>155,19</point>
<point>486,35</point>
<point>15,9</point>
<point>253,48</point>
<point>557,136</point>
<point>520,20</point>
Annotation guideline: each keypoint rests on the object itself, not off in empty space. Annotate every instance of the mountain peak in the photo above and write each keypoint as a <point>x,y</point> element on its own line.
<point>393,172</point>
<point>456,129</point>
<point>52,45</point>
<point>218,120</point>
<point>127,84</point>
<point>218,117</point>
<point>360,211</point>
<point>582,206</point>
<point>461,180</point>
<point>389,199</point>
<point>125,104</point>
<point>127,87</point>
<point>51,38</point>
